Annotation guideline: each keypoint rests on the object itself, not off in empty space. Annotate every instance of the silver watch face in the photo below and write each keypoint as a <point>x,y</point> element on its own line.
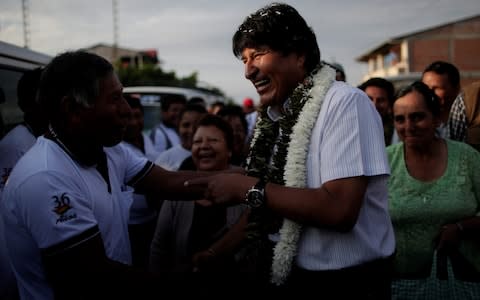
<point>255,198</point>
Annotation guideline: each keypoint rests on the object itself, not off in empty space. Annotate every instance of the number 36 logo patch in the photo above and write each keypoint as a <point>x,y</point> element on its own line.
<point>63,208</point>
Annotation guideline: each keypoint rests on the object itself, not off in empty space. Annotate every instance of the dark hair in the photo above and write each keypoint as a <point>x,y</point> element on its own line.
<point>170,99</point>
<point>218,122</point>
<point>75,75</point>
<point>234,110</point>
<point>27,89</point>
<point>197,100</point>
<point>429,97</point>
<point>280,27</point>
<point>133,101</point>
<point>442,67</point>
<point>380,83</point>
<point>193,107</point>
<point>338,69</point>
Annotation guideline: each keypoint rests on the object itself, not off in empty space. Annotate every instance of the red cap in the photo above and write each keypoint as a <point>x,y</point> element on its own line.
<point>248,102</point>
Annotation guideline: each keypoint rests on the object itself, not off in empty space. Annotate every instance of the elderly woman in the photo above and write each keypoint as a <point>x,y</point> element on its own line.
<point>190,236</point>
<point>434,187</point>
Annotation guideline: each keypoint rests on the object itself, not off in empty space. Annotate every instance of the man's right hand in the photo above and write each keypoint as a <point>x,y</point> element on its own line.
<point>226,188</point>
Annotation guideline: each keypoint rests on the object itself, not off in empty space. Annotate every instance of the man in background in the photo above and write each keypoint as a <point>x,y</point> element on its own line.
<point>165,135</point>
<point>143,215</point>
<point>444,79</point>
<point>174,157</point>
<point>248,106</point>
<point>464,120</point>
<point>381,92</point>
<point>251,117</point>
<point>12,147</point>
<point>23,136</point>
<point>340,72</point>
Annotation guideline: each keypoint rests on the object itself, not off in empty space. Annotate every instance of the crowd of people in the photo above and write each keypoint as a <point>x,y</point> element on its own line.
<point>321,188</point>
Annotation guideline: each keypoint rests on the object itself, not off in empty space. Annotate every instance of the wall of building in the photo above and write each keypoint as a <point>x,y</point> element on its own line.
<point>458,43</point>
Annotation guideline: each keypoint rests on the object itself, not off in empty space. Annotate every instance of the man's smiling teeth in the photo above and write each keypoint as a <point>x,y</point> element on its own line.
<point>261,82</point>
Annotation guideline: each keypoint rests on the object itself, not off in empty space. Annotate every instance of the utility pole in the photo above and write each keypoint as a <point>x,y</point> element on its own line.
<point>26,25</point>
<point>115,30</point>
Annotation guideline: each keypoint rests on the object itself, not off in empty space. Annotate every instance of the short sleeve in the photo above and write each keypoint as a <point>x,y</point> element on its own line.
<point>135,166</point>
<point>352,142</point>
<point>61,211</point>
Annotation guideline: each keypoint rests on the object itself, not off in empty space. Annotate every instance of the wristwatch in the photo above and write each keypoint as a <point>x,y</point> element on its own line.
<point>255,197</point>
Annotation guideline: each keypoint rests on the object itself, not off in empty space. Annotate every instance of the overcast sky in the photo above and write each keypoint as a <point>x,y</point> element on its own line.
<point>195,35</point>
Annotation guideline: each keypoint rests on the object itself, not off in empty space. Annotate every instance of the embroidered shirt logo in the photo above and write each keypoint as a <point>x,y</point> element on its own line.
<point>62,208</point>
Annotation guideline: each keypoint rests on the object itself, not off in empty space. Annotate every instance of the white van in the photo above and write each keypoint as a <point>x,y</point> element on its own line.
<point>14,61</point>
<point>151,97</point>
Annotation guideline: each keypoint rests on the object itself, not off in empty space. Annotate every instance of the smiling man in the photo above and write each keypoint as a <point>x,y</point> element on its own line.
<point>317,161</point>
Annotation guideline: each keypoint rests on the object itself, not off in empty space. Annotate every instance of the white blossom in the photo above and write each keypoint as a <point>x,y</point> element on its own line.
<point>295,173</point>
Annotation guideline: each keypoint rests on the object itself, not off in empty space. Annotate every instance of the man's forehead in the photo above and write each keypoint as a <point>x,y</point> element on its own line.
<point>110,83</point>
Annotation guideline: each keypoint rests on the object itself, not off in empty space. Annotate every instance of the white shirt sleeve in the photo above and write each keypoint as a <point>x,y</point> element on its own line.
<point>61,211</point>
<point>351,142</point>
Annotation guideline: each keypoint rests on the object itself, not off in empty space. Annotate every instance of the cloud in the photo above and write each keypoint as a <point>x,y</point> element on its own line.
<point>195,35</point>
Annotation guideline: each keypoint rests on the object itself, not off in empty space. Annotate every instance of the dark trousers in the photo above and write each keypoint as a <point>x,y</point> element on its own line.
<point>371,280</point>
<point>141,236</point>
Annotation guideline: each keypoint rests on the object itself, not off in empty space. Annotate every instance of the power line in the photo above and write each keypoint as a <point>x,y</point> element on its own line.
<point>26,24</point>
<point>115,28</point>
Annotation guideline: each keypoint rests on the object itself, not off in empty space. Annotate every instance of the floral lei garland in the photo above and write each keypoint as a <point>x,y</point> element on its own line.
<point>289,160</point>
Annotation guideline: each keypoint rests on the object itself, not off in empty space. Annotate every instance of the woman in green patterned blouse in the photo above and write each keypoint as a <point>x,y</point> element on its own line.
<point>434,187</point>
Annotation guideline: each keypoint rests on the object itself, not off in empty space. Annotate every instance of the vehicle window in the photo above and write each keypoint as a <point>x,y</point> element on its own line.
<point>10,113</point>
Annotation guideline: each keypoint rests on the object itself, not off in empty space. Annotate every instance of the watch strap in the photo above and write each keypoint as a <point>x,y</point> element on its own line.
<point>258,188</point>
<point>260,185</point>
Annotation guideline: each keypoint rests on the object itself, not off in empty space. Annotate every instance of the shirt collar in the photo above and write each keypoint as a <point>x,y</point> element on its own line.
<point>274,114</point>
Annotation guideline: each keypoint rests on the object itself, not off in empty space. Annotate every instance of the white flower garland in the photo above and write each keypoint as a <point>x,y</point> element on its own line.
<point>295,173</point>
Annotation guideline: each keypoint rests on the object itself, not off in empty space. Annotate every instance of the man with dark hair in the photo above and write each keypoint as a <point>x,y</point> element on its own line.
<point>340,75</point>
<point>165,135</point>
<point>12,147</point>
<point>198,101</point>
<point>143,214</point>
<point>444,79</point>
<point>23,136</point>
<point>66,204</point>
<point>235,116</point>
<point>317,164</point>
<point>173,158</point>
<point>382,93</point>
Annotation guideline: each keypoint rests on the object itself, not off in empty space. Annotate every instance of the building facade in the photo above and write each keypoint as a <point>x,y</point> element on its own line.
<point>402,59</point>
<point>126,57</point>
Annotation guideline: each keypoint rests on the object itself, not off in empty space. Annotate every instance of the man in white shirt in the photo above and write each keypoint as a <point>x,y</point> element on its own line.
<point>165,135</point>
<point>317,161</point>
<point>173,158</point>
<point>13,146</point>
<point>23,136</point>
<point>66,204</point>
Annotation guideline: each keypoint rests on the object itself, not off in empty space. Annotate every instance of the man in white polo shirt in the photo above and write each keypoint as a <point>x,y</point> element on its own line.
<point>66,204</point>
<point>12,147</point>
